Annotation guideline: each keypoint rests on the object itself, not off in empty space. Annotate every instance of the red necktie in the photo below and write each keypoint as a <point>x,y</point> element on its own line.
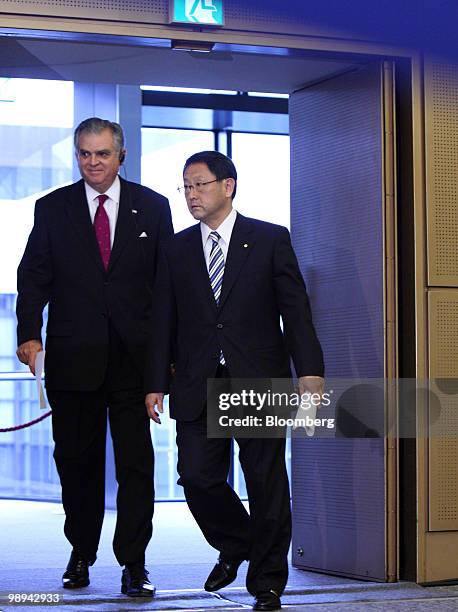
<point>102,230</point>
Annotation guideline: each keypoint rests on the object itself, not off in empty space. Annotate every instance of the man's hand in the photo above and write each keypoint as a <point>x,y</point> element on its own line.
<point>153,400</point>
<point>27,352</point>
<point>311,384</point>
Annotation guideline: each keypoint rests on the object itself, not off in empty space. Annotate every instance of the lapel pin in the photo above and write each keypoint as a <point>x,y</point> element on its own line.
<point>245,246</point>
<point>134,211</point>
<point>143,235</point>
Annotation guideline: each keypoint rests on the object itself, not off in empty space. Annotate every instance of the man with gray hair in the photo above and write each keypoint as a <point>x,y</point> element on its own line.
<point>92,257</point>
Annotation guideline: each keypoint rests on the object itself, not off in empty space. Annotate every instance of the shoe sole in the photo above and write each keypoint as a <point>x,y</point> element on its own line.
<point>267,607</point>
<point>224,584</point>
<point>124,591</point>
<point>76,586</point>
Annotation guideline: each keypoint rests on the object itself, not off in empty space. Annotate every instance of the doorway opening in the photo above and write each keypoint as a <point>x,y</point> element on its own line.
<point>175,124</point>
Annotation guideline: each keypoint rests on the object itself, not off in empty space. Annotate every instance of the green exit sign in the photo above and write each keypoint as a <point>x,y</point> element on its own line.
<point>202,12</point>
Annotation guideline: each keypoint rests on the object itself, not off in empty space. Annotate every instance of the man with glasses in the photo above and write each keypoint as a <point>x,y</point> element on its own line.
<point>92,257</point>
<point>224,284</point>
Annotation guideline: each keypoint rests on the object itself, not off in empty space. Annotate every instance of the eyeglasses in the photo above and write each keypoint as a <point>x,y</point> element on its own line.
<point>198,187</point>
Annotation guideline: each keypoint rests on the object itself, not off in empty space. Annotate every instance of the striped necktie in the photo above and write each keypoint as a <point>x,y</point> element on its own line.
<point>216,273</point>
<point>216,266</point>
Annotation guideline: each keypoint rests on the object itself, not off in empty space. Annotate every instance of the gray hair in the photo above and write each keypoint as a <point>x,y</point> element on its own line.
<point>95,125</point>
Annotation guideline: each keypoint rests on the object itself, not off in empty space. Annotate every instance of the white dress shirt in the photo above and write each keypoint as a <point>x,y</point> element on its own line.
<point>224,230</point>
<point>111,205</point>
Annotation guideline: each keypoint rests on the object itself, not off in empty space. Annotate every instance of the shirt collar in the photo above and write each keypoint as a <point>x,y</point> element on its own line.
<point>224,230</point>
<point>113,192</point>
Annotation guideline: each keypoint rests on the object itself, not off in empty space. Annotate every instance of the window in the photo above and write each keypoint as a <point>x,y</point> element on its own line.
<point>36,131</point>
<point>262,162</point>
<point>36,121</point>
<point>164,152</point>
<point>36,126</point>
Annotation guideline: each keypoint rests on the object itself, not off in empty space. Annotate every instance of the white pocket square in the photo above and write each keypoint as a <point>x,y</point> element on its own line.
<point>143,235</point>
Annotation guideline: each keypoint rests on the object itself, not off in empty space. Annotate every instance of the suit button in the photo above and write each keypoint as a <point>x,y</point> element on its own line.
<point>220,326</point>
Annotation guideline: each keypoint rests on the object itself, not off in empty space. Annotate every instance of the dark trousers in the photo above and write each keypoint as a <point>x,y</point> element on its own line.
<point>264,535</point>
<point>79,422</point>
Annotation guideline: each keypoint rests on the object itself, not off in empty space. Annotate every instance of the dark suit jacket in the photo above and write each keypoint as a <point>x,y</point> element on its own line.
<point>62,265</point>
<point>262,282</point>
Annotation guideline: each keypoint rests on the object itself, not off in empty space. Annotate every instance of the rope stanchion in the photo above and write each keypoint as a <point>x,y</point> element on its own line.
<point>24,425</point>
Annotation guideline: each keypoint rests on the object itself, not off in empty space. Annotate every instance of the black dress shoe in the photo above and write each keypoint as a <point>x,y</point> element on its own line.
<point>135,583</point>
<point>221,575</point>
<point>77,573</point>
<point>267,600</point>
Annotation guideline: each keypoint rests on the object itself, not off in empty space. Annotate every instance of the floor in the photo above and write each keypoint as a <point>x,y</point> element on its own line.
<point>34,552</point>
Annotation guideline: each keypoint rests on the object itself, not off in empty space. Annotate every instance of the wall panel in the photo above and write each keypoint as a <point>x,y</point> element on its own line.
<point>441,102</point>
<point>338,485</point>
<point>256,15</point>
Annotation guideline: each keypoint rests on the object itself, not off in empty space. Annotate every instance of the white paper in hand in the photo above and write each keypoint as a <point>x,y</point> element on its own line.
<point>39,369</point>
<point>305,417</point>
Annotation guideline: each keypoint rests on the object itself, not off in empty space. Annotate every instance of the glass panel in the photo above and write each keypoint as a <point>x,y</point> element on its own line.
<point>262,162</point>
<point>164,153</point>
<point>27,468</point>
<point>36,119</point>
<point>36,103</point>
<point>198,119</point>
<point>166,456</point>
<point>36,124</point>
<point>193,90</point>
<point>259,123</point>
<point>265,94</point>
<point>256,156</point>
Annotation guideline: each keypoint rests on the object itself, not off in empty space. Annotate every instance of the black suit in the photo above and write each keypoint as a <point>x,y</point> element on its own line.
<point>97,331</point>
<point>262,283</point>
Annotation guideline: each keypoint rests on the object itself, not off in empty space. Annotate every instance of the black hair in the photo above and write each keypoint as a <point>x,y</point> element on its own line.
<point>220,165</point>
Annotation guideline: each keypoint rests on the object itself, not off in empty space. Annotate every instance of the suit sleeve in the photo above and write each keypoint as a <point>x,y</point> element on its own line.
<point>34,280</point>
<point>293,303</point>
<point>162,332</point>
<point>165,223</point>
<point>163,232</point>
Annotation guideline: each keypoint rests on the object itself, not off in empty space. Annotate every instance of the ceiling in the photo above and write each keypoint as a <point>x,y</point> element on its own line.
<point>226,67</point>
